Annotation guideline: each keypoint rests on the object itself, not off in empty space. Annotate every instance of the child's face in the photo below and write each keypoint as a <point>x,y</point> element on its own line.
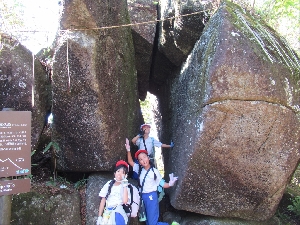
<point>146,129</point>
<point>143,160</point>
<point>120,174</point>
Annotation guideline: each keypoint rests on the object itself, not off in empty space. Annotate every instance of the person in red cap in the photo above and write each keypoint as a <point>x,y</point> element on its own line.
<point>113,195</point>
<point>149,180</point>
<point>144,141</point>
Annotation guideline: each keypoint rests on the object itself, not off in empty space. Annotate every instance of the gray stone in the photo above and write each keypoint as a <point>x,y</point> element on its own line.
<point>234,120</point>
<point>205,220</point>
<point>178,35</point>
<point>143,12</point>
<point>24,84</point>
<point>94,86</point>
<point>46,209</point>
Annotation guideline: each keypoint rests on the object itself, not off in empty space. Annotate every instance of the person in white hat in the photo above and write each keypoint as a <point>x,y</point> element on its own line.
<point>144,141</point>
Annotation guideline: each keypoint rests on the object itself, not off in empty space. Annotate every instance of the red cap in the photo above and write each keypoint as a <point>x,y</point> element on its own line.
<point>139,152</point>
<point>141,128</point>
<point>122,162</point>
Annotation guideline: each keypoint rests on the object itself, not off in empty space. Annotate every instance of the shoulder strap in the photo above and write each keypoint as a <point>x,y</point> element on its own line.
<point>145,144</point>
<point>153,147</point>
<point>111,183</point>
<point>131,193</point>
<point>154,173</point>
<point>144,180</point>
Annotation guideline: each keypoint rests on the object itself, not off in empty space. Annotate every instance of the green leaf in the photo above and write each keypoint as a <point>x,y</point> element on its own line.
<point>47,147</point>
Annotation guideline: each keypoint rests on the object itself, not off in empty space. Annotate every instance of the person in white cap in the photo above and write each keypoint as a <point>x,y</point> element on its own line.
<point>144,141</point>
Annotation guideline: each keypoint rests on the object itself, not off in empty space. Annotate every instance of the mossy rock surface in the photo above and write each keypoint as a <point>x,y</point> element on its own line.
<point>46,205</point>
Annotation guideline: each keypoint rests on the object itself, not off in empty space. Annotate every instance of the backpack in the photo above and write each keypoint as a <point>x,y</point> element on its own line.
<point>132,206</point>
<point>161,190</point>
<point>133,200</point>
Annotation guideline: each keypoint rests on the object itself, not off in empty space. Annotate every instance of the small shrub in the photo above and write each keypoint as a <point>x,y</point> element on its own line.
<point>295,208</point>
<point>79,184</point>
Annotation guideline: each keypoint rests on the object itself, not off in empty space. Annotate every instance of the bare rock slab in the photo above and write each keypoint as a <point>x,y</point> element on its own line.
<point>235,119</point>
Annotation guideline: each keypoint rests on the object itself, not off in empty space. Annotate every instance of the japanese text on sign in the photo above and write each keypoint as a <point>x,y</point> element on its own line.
<point>15,143</point>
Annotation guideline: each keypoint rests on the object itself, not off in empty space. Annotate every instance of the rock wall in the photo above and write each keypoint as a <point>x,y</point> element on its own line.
<point>233,115</point>
<point>228,96</point>
<point>43,208</point>
<point>95,103</point>
<point>144,13</point>
<point>25,86</point>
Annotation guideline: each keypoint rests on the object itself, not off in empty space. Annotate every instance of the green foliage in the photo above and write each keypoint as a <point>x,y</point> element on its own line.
<point>51,182</point>
<point>58,181</point>
<point>52,143</point>
<point>33,152</point>
<point>10,11</point>
<point>279,8</point>
<point>294,185</point>
<point>146,108</point>
<point>281,15</point>
<point>295,207</point>
<point>81,183</point>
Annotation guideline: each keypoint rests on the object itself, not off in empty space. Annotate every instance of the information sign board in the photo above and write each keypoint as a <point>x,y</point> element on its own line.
<point>16,186</point>
<point>15,143</point>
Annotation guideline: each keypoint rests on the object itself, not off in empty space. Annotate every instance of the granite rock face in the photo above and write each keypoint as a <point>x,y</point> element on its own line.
<point>181,25</point>
<point>94,86</point>
<point>36,208</point>
<point>25,86</point>
<point>144,13</point>
<point>178,35</point>
<point>234,116</point>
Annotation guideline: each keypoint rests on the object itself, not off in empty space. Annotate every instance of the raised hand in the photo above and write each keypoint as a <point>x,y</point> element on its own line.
<point>127,146</point>
<point>172,179</point>
<point>124,181</point>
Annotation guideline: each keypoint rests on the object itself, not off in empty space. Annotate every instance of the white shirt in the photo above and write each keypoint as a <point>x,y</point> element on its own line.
<point>115,197</point>
<point>149,144</point>
<point>150,184</point>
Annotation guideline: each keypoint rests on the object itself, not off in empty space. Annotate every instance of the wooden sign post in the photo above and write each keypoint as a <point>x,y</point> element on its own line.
<point>15,158</point>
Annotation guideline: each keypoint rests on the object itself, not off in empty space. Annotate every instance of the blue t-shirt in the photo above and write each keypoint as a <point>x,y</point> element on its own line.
<point>149,144</point>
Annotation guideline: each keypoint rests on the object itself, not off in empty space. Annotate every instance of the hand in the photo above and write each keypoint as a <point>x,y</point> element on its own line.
<point>124,182</point>
<point>127,146</point>
<point>99,220</point>
<point>172,144</point>
<point>172,179</point>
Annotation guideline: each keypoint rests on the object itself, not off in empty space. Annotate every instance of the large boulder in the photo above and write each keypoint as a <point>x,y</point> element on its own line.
<point>144,13</point>
<point>233,115</point>
<point>94,86</point>
<point>24,84</point>
<point>182,23</point>
<point>36,207</point>
<point>186,218</point>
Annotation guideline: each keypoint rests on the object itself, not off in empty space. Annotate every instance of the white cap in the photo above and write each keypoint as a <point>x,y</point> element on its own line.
<point>145,124</point>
